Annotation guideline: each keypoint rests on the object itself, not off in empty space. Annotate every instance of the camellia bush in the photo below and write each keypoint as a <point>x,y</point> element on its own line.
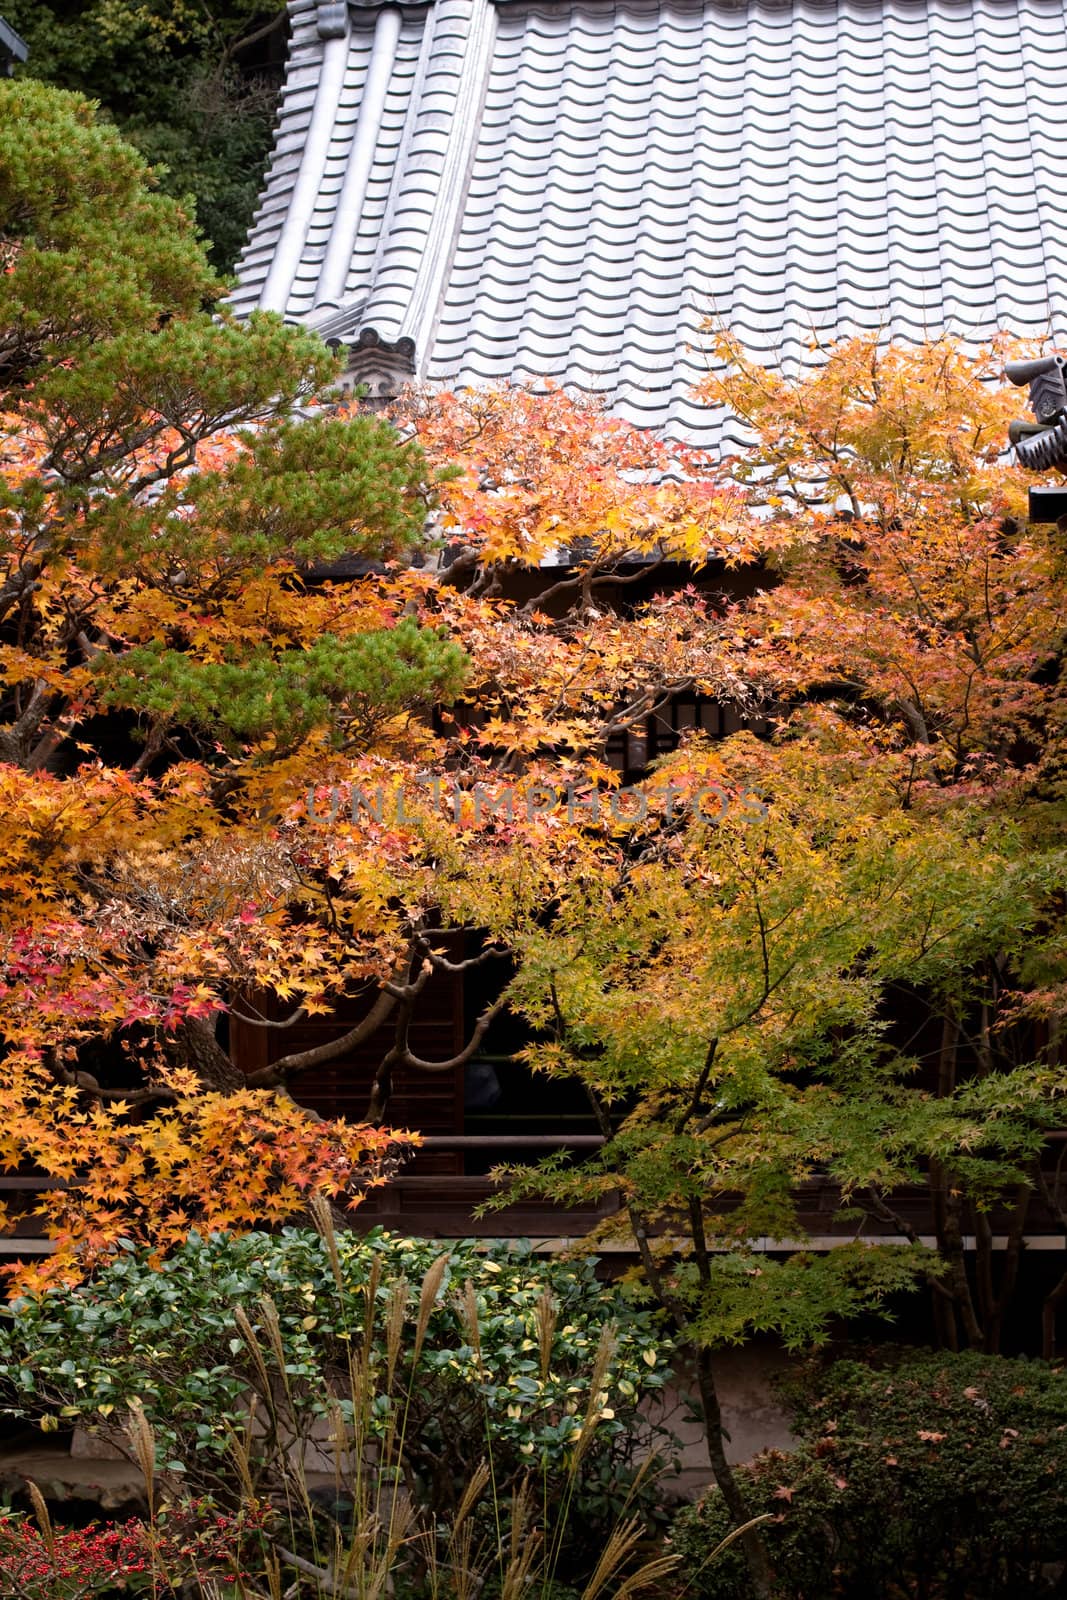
<point>919,1473</point>
<point>252,1362</point>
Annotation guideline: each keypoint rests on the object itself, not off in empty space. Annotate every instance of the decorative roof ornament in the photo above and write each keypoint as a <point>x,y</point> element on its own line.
<point>379,368</point>
<point>331,20</point>
<point>1041,445</point>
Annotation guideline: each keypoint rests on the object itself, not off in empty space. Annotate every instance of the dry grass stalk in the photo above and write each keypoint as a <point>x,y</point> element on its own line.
<point>476,1487</point>
<point>738,1533</point>
<point>607,1345</point>
<point>618,1550</point>
<point>395,1317</point>
<point>340,1443</point>
<point>370,1300</point>
<point>363,1539</point>
<point>647,1577</point>
<point>255,1350</point>
<point>322,1216</point>
<point>272,1328</point>
<point>546,1315</point>
<point>370,1566</point>
<point>431,1288</point>
<point>389,1538</point>
<point>44,1521</point>
<point>525,1547</point>
<point>272,1571</point>
<point>240,1451</point>
<point>467,1580</point>
<point>144,1448</point>
<point>467,1306</point>
<point>617,1553</point>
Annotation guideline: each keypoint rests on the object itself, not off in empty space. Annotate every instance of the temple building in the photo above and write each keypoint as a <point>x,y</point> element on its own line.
<point>467,190</point>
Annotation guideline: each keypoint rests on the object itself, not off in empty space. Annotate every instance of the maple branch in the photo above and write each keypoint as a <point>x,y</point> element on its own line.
<point>442,964</point>
<point>391,994</point>
<point>198,1047</point>
<point>593,578</point>
<point>646,704</point>
<point>638,1226</point>
<point>701,1084</point>
<point>13,738</point>
<point>885,1213</point>
<point>1051,1191</point>
<point>301,1060</point>
<point>464,561</point>
<point>266,1022</point>
<point>559,1019</point>
<point>765,959</point>
<point>915,720</point>
<point>406,992</point>
<point>88,648</point>
<point>88,1084</point>
<point>700,1242</point>
<point>405,1057</point>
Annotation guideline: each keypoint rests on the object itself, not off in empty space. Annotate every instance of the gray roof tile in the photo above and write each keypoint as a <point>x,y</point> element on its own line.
<point>566,188</point>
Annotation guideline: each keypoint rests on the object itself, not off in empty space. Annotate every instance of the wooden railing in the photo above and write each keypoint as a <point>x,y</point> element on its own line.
<point>441,1204</point>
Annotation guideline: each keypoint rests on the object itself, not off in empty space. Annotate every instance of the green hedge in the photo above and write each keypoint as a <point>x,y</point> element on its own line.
<point>487,1376</point>
<point>918,1474</point>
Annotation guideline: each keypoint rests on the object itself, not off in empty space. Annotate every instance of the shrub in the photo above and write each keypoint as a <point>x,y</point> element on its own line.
<point>923,1474</point>
<point>250,1357</point>
<point>184,1548</point>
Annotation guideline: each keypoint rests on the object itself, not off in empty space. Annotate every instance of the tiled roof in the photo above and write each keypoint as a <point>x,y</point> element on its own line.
<point>568,190</point>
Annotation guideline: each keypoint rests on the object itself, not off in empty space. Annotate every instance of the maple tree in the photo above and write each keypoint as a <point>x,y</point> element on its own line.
<point>160,491</point>
<point>914,595</point>
<point>921,611</point>
<point>859,990</point>
<point>180,671</point>
<point>722,997</point>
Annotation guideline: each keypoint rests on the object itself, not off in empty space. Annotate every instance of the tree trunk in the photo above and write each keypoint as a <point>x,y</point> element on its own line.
<point>752,1543</point>
<point>948,1204</point>
<point>1053,1301</point>
<point>946,1333</point>
<point>952,1249</point>
<point>196,1046</point>
<point>1009,1271</point>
